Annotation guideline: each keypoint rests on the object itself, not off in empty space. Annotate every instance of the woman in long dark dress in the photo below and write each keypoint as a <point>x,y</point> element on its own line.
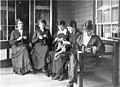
<point>40,41</point>
<point>20,57</point>
<point>92,46</point>
<point>61,55</point>
<point>57,64</point>
<point>74,34</point>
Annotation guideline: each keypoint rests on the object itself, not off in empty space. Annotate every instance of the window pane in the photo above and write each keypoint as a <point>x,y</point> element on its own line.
<point>115,14</point>
<point>3,17</point>
<point>100,30</point>
<point>103,16</point>
<point>10,28</point>
<point>115,30</point>
<point>101,3</point>
<point>43,2</point>
<point>99,17</point>
<point>11,18</point>
<point>11,3</point>
<point>37,15</point>
<point>3,2</point>
<point>42,14</point>
<point>3,33</point>
<point>107,31</point>
<point>115,2</point>
<point>106,15</point>
<point>106,2</point>
<point>3,53</point>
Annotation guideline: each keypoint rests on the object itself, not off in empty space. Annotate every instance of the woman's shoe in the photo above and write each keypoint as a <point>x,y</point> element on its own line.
<point>73,80</point>
<point>70,85</point>
<point>33,71</point>
<point>47,74</point>
<point>56,77</point>
<point>61,78</point>
<point>43,70</point>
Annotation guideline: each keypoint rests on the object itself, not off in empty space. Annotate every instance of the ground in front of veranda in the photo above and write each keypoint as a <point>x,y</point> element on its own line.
<point>99,78</point>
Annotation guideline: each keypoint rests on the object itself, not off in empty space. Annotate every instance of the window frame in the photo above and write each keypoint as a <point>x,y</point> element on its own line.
<point>111,23</point>
<point>7,9</point>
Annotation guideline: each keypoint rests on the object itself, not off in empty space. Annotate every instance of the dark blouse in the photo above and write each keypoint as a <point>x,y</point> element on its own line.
<point>62,35</point>
<point>94,41</point>
<point>36,35</point>
<point>15,35</point>
<point>73,39</point>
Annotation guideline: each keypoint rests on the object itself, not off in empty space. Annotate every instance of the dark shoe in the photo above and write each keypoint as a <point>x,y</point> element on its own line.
<point>55,77</point>
<point>47,74</point>
<point>33,71</point>
<point>43,70</point>
<point>70,85</point>
<point>61,78</point>
<point>21,74</point>
<point>73,80</point>
<point>53,74</point>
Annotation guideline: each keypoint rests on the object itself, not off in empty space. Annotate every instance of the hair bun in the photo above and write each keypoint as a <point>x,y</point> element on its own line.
<point>89,22</point>
<point>62,22</point>
<point>89,25</point>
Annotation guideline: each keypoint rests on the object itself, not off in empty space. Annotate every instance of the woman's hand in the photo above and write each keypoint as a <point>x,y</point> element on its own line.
<point>24,37</point>
<point>88,50</point>
<point>94,49</point>
<point>19,38</point>
<point>55,56</point>
<point>44,35</point>
<point>40,37</point>
<point>56,39</point>
<point>83,49</point>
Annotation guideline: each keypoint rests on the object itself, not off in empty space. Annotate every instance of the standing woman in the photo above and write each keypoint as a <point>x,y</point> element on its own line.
<point>40,40</point>
<point>20,57</point>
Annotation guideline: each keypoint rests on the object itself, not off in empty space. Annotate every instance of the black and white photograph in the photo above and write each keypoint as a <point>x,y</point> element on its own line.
<point>59,43</point>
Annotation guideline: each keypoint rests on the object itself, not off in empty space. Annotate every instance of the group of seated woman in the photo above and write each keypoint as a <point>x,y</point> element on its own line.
<point>26,57</point>
<point>57,57</point>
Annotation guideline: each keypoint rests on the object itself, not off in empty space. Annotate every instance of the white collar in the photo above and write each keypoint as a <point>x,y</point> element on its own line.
<point>86,39</point>
<point>62,32</point>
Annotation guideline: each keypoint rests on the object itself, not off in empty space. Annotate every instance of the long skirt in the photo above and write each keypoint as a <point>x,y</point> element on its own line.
<point>73,65</point>
<point>21,60</point>
<point>49,61</point>
<point>38,56</point>
<point>90,61</point>
<point>60,63</point>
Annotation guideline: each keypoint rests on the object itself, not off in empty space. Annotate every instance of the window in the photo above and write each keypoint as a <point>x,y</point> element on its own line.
<point>107,12</point>
<point>7,23</point>
<point>42,11</point>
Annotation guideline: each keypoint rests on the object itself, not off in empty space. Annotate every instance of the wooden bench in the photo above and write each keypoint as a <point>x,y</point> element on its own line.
<point>115,62</point>
<point>7,46</point>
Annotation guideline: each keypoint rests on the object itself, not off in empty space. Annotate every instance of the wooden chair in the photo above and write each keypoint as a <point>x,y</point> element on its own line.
<point>115,71</point>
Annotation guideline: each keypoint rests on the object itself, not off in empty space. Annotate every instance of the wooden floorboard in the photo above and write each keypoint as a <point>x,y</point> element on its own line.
<point>91,79</point>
